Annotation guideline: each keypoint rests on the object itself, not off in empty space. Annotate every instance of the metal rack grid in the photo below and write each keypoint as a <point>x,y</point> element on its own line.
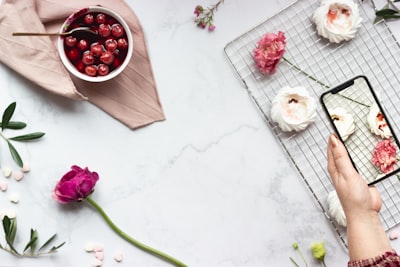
<point>374,52</point>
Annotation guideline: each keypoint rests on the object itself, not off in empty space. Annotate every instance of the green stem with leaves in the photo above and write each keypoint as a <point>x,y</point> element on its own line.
<point>131,240</point>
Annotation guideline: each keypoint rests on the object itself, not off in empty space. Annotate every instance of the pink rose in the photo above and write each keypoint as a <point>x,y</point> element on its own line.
<point>384,155</point>
<point>75,185</point>
<point>269,51</point>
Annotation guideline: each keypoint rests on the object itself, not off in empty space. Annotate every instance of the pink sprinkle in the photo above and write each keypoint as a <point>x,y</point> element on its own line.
<point>99,255</point>
<point>3,186</point>
<point>98,248</point>
<point>393,235</point>
<point>18,175</point>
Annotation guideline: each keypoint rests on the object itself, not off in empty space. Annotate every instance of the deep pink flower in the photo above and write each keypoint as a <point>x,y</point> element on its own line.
<point>75,185</point>
<point>211,27</point>
<point>198,10</point>
<point>384,155</point>
<point>269,51</point>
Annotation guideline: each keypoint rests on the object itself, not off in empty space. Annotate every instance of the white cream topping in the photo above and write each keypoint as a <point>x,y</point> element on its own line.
<point>293,109</point>
<point>343,121</point>
<point>335,208</point>
<point>337,20</point>
<point>377,123</point>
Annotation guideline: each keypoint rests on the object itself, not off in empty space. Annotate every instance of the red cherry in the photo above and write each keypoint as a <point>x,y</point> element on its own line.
<point>110,44</point>
<point>80,66</point>
<point>107,57</point>
<point>91,70</point>
<point>101,18</point>
<point>122,43</point>
<point>88,19</point>
<point>73,54</point>
<point>97,49</point>
<point>117,63</point>
<point>117,30</point>
<point>83,45</point>
<point>88,58</point>
<point>103,69</point>
<point>104,30</point>
<point>70,41</point>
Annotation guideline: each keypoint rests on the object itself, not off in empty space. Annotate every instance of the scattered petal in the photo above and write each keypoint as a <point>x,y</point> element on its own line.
<point>6,171</point>
<point>97,263</point>
<point>26,167</point>
<point>14,198</point>
<point>18,175</point>
<point>89,247</point>
<point>394,234</point>
<point>99,255</point>
<point>118,256</point>
<point>3,186</point>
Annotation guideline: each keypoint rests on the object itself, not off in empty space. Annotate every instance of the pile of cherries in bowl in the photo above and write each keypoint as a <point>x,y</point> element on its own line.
<point>96,55</point>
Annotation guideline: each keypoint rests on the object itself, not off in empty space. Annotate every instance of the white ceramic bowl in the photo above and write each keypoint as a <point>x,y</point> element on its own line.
<point>72,67</point>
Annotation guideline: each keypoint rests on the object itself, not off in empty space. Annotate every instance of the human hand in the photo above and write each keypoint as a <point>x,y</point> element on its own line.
<point>357,199</point>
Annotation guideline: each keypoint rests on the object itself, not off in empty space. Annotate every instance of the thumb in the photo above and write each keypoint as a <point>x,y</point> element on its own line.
<point>339,163</point>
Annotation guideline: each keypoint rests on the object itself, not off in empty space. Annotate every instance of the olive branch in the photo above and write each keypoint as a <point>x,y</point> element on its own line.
<point>6,123</point>
<point>30,249</point>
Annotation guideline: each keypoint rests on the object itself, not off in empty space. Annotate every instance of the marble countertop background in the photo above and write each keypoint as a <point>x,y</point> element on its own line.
<point>210,185</point>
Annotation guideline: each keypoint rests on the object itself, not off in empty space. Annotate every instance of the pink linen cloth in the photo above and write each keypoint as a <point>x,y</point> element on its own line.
<point>131,97</point>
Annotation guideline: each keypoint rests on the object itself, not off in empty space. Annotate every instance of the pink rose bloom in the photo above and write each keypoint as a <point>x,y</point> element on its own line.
<point>269,51</point>
<point>384,155</point>
<point>75,185</point>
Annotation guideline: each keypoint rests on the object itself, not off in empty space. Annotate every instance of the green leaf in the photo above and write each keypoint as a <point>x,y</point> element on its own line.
<point>7,115</point>
<point>10,231</point>
<point>55,248</point>
<point>15,156</point>
<point>32,242</point>
<point>15,125</point>
<point>385,12</point>
<point>48,242</point>
<point>26,137</point>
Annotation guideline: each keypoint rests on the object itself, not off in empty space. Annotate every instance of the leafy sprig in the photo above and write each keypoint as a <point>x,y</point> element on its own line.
<point>6,123</point>
<point>205,16</point>
<point>389,11</point>
<point>30,249</point>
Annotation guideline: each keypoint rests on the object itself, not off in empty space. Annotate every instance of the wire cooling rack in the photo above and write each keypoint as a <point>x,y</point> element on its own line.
<point>374,52</point>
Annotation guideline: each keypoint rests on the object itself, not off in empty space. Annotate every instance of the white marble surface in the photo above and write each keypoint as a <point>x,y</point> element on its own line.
<point>210,185</point>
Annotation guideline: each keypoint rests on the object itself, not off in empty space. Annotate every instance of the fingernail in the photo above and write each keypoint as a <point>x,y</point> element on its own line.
<point>334,141</point>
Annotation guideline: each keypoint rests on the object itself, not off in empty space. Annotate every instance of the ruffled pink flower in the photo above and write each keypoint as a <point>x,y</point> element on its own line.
<point>198,10</point>
<point>384,155</point>
<point>75,185</point>
<point>269,51</point>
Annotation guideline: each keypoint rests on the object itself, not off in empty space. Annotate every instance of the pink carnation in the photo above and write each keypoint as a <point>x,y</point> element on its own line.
<point>269,51</point>
<point>384,155</point>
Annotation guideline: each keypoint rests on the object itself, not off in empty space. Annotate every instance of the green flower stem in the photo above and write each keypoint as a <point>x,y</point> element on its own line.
<point>305,73</point>
<point>131,240</point>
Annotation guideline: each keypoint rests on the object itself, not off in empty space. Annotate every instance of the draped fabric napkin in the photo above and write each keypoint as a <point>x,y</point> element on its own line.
<point>131,97</point>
